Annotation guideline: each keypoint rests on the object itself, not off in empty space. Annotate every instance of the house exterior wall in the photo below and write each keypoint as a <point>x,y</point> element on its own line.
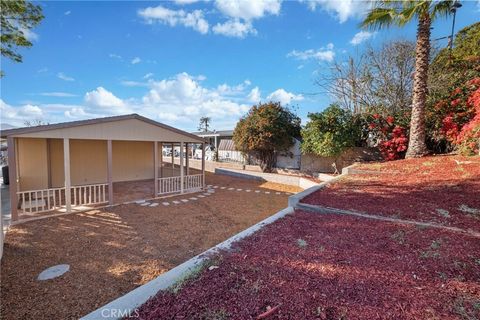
<point>132,160</point>
<point>32,164</point>
<point>291,158</point>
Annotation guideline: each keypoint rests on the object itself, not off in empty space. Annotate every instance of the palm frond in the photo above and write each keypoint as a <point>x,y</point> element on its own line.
<point>379,18</point>
<point>442,9</point>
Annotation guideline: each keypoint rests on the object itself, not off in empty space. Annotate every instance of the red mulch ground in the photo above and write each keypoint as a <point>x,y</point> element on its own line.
<point>316,266</point>
<point>431,189</point>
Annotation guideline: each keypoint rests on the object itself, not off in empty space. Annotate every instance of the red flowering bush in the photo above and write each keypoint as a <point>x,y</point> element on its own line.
<point>388,135</point>
<point>468,139</point>
<point>460,124</point>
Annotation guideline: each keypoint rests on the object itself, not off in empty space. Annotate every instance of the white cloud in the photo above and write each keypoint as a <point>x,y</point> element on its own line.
<point>64,77</point>
<point>148,75</point>
<point>58,94</point>
<point>67,13</point>
<point>341,10</point>
<point>115,56</point>
<point>106,100</point>
<point>234,28</point>
<point>18,115</point>
<point>254,95</point>
<point>129,83</point>
<point>76,112</point>
<point>136,60</point>
<point>284,97</point>
<point>194,19</point>
<point>322,54</point>
<point>183,2</point>
<point>29,34</point>
<point>361,36</point>
<point>248,9</point>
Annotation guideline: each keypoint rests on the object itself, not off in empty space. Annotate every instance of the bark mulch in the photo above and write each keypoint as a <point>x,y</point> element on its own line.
<point>326,266</point>
<point>439,189</point>
<point>112,251</point>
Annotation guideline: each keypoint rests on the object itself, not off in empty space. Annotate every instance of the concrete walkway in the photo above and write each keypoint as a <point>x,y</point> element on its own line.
<point>271,177</point>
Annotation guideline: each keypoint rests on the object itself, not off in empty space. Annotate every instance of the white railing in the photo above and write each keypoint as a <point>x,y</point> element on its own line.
<point>193,181</point>
<point>89,194</point>
<point>43,200</point>
<point>35,201</point>
<point>169,185</point>
<point>174,184</point>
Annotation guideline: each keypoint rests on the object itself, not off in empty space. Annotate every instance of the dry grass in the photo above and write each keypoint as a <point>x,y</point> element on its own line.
<point>111,252</point>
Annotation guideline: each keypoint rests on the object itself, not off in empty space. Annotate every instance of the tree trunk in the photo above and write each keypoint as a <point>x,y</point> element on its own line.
<point>267,160</point>
<point>416,144</point>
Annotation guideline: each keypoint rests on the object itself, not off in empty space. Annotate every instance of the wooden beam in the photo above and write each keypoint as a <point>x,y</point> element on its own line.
<point>155,166</point>
<point>182,179</point>
<point>12,175</point>
<point>187,166</point>
<point>203,164</point>
<point>66,167</point>
<point>161,160</point>
<point>173,160</point>
<point>49,164</point>
<point>110,172</point>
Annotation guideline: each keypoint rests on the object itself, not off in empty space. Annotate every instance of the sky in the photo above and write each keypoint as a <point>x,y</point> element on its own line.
<point>175,62</point>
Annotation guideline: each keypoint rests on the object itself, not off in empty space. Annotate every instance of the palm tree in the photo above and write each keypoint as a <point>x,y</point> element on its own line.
<point>389,12</point>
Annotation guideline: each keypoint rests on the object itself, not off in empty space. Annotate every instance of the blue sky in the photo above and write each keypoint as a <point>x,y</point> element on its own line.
<point>178,61</point>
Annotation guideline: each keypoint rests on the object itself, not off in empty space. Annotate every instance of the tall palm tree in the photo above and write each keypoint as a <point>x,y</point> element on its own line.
<point>389,12</point>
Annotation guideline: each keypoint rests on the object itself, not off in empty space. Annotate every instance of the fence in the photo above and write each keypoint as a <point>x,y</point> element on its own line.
<point>43,200</point>
<point>174,184</point>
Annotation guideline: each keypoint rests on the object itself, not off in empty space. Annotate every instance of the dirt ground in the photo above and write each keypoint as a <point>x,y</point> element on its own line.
<point>111,252</point>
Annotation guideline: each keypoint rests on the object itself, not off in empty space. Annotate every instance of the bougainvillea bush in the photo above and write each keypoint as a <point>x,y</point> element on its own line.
<point>458,117</point>
<point>389,134</point>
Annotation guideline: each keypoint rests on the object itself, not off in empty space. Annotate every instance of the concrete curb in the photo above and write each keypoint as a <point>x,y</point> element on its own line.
<point>327,210</point>
<point>125,305</point>
<point>291,180</point>
<point>295,199</point>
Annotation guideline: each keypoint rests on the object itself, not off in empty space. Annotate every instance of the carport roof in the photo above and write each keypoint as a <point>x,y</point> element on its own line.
<point>72,124</point>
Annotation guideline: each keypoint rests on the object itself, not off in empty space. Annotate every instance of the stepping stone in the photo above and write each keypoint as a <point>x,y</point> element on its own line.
<point>166,203</point>
<point>154,204</point>
<point>231,188</point>
<point>239,189</point>
<point>53,272</point>
<point>175,201</point>
<point>257,191</point>
<point>278,193</point>
<point>267,192</point>
<point>200,196</point>
<point>145,204</point>
<point>139,201</point>
<point>215,187</point>
<point>207,194</point>
<point>184,200</point>
<point>223,188</point>
<point>248,190</point>
<point>193,198</point>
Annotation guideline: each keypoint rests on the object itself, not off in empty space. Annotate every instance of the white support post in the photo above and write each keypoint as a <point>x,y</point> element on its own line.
<point>12,175</point>
<point>187,165</point>
<point>173,160</point>
<point>161,160</point>
<point>155,166</point>
<point>182,178</point>
<point>110,172</point>
<point>203,164</point>
<point>216,150</point>
<point>66,165</point>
